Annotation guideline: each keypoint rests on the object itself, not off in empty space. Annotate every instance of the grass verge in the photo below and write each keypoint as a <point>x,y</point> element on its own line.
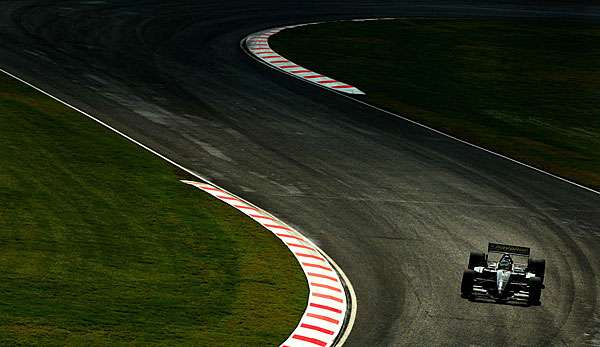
<point>100,244</point>
<point>529,89</point>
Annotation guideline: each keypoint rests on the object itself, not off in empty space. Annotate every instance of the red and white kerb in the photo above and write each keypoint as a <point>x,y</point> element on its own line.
<point>258,45</point>
<point>326,310</point>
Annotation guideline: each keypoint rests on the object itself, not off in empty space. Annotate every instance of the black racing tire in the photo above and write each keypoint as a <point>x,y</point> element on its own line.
<point>535,290</point>
<point>476,259</point>
<point>538,267</point>
<point>466,286</point>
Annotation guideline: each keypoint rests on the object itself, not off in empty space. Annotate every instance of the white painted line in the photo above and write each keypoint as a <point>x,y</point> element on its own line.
<point>306,249</point>
<point>339,92</point>
<point>475,146</point>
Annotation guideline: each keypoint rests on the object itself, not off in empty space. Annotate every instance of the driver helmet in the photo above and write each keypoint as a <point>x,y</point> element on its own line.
<point>505,263</point>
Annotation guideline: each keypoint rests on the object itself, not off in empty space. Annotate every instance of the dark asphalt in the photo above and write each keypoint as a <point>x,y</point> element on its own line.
<point>397,206</point>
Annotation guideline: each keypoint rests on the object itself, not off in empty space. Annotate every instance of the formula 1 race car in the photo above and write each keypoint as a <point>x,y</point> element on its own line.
<point>506,273</point>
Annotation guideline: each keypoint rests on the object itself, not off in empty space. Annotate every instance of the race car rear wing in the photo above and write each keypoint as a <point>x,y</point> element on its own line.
<point>516,250</point>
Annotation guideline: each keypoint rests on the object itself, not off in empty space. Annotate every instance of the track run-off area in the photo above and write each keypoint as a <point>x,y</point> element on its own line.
<point>397,206</point>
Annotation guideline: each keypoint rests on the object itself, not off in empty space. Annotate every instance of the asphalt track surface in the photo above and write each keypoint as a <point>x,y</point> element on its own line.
<point>397,206</point>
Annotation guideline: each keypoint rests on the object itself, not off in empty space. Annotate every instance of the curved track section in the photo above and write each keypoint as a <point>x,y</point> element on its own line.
<point>327,311</point>
<point>397,206</point>
<point>258,45</point>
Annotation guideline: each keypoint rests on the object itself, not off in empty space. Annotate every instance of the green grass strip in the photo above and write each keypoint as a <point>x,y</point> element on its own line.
<point>100,244</point>
<point>529,89</point>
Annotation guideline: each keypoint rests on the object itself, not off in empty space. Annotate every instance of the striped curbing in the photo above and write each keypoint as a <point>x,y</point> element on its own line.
<point>258,45</point>
<point>328,306</point>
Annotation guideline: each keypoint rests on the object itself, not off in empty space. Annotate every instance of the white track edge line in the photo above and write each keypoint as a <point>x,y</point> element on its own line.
<point>408,119</point>
<point>109,127</point>
<point>353,302</point>
<point>347,282</point>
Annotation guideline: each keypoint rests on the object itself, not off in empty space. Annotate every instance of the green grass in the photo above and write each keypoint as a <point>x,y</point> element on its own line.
<point>526,88</point>
<point>100,244</point>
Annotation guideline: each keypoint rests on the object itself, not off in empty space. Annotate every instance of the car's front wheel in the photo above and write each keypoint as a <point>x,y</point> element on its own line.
<point>476,259</point>
<point>538,267</point>
<point>535,290</point>
<point>466,286</point>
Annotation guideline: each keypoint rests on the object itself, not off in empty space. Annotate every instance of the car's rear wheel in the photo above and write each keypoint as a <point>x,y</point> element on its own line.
<point>466,286</point>
<point>535,290</point>
<point>476,259</point>
<point>538,267</point>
